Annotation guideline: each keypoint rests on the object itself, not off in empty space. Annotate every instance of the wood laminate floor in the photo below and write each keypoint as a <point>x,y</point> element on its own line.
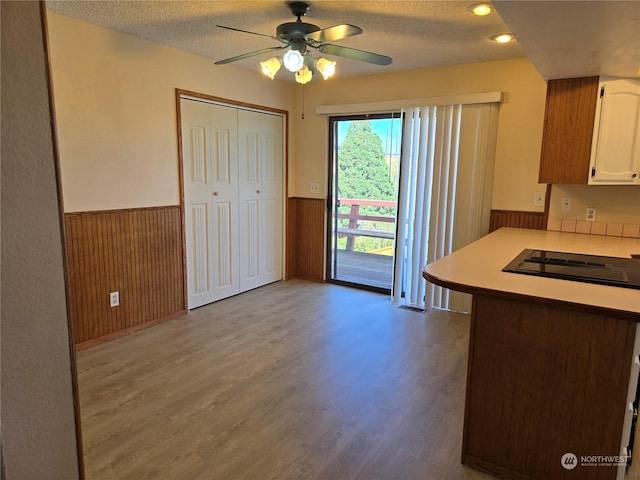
<point>295,380</point>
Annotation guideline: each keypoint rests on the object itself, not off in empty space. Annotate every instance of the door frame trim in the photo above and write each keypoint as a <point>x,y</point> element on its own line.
<point>182,93</point>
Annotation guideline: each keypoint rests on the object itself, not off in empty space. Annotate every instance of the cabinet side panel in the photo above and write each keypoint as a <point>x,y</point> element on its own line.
<point>568,130</point>
<point>545,381</point>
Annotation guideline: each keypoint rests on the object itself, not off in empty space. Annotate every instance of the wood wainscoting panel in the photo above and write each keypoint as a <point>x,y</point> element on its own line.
<point>136,252</point>
<point>517,219</point>
<point>306,238</point>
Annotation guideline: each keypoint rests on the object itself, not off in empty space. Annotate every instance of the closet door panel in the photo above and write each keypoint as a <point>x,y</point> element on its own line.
<point>225,230</point>
<point>260,160</point>
<point>196,161</point>
<point>209,151</point>
<point>272,199</point>
<point>249,166</point>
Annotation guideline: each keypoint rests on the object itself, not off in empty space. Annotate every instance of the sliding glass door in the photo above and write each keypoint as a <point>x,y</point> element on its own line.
<point>363,199</point>
<point>443,201</point>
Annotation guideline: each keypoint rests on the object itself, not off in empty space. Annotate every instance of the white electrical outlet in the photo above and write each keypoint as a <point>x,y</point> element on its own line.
<point>538,199</point>
<point>565,204</point>
<point>591,214</point>
<point>315,187</point>
<point>114,299</point>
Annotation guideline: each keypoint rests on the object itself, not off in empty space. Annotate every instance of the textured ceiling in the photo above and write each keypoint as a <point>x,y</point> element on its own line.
<point>563,39</point>
<point>416,34</point>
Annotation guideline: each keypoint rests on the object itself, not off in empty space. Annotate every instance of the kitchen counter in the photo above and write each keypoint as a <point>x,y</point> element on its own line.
<point>551,368</point>
<point>478,267</point>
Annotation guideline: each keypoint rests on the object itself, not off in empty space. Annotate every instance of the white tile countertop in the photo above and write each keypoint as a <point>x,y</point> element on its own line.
<point>477,268</point>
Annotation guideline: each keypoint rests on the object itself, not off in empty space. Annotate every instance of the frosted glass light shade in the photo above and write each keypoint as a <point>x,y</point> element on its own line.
<point>270,67</point>
<point>304,75</point>
<point>326,67</point>
<point>293,60</point>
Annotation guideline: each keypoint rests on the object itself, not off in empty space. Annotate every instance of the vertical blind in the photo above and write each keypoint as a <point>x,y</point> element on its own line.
<point>445,195</point>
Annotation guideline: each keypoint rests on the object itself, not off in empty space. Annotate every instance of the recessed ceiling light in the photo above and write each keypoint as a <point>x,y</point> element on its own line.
<point>502,37</point>
<point>480,9</point>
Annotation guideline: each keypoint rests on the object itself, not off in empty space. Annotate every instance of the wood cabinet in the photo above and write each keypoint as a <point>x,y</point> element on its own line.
<point>568,130</point>
<point>543,381</point>
<point>615,152</point>
<point>591,132</point>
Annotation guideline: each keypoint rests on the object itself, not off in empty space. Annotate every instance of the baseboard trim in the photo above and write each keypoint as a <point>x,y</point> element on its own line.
<point>127,331</point>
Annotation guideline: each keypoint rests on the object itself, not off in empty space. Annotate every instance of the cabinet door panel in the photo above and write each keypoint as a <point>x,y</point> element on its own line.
<point>615,156</point>
<point>568,130</point>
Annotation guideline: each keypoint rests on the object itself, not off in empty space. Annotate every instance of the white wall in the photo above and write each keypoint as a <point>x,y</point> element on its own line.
<point>613,203</point>
<point>38,428</point>
<point>116,112</point>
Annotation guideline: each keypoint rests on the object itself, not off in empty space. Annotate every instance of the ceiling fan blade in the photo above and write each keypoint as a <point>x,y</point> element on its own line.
<point>252,33</point>
<point>354,54</point>
<point>332,34</point>
<point>248,55</point>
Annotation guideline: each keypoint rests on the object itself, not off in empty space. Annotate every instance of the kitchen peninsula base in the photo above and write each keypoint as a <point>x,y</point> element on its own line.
<point>544,381</point>
<point>553,364</point>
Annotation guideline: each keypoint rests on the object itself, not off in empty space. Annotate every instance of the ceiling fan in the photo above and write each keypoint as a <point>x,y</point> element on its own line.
<point>299,37</point>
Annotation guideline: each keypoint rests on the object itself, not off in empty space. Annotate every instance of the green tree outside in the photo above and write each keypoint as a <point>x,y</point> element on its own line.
<point>364,173</point>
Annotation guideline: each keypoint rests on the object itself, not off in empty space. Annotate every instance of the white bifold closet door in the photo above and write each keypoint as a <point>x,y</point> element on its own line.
<point>260,198</point>
<point>232,170</point>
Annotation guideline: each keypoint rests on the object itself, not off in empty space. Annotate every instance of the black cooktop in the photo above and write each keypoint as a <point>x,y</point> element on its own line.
<point>615,271</point>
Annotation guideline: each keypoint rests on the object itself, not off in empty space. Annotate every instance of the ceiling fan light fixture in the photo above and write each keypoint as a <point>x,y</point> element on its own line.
<point>326,67</point>
<point>298,37</point>
<point>502,37</point>
<point>270,67</point>
<point>293,60</point>
<point>480,9</point>
<point>304,75</point>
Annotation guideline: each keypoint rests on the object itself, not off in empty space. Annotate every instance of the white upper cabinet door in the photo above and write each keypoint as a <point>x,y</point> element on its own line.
<point>615,150</point>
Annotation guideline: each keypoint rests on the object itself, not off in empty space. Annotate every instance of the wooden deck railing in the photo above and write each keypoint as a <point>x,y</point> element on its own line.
<point>353,230</point>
